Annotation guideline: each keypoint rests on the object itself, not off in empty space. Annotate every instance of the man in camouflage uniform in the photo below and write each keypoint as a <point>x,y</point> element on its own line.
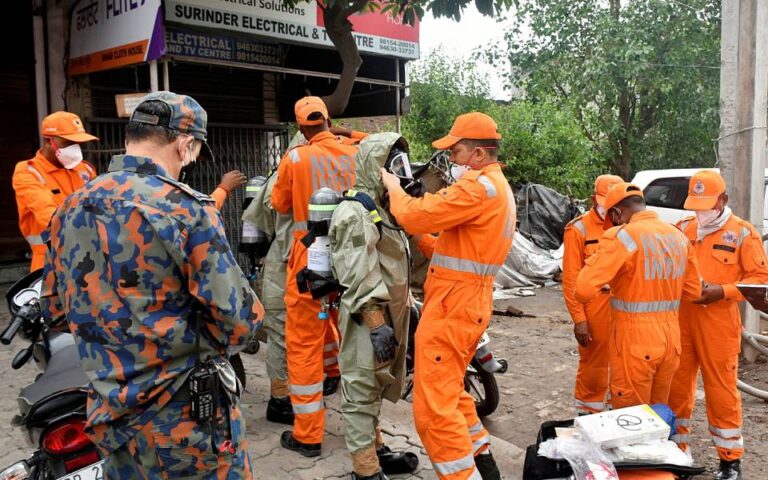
<point>132,255</point>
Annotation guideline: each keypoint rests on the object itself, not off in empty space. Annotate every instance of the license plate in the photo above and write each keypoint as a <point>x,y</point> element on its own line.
<point>91,472</point>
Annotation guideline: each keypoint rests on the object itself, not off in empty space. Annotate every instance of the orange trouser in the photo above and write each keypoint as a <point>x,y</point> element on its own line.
<point>644,357</point>
<point>592,376</point>
<point>38,257</point>
<point>711,340</point>
<point>311,345</point>
<point>446,339</point>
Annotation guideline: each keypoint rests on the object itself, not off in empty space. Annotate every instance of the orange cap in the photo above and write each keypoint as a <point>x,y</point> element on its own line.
<point>65,125</point>
<point>470,126</point>
<point>616,194</point>
<point>603,183</point>
<point>704,189</point>
<point>306,107</point>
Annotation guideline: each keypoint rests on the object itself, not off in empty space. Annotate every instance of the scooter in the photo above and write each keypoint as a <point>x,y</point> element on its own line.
<point>52,410</point>
<point>480,377</point>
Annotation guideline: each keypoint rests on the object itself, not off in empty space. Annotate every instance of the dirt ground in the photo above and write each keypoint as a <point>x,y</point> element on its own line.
<point>539,383</point>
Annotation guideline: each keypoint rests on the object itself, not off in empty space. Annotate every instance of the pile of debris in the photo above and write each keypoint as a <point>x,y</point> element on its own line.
<point>536,257</point>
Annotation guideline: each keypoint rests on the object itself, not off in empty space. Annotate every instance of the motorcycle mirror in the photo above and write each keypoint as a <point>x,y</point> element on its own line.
<point>22,358</point>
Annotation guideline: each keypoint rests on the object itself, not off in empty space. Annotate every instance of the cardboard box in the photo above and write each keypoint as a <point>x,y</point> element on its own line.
<point>625,426</point>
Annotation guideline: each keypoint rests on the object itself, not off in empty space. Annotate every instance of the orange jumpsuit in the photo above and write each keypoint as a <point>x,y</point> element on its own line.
<point>325,161</point>
<point>711,334</point>
<point>40,188</point>
<point>580,240</point>
<point>476,218</point>
<point>650,267</point>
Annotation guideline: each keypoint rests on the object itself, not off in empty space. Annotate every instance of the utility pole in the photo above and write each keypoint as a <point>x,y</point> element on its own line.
<point>744,116</point>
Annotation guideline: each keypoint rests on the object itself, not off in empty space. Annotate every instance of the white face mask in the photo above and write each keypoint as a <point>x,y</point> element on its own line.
<point>458,171</point>
<point>706,217</point>
<point>70,156</point>
<point>600,211</point>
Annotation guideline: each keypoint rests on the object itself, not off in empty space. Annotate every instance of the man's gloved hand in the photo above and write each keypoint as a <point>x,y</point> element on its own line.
<point>384,343</point>
<point>382,335</point>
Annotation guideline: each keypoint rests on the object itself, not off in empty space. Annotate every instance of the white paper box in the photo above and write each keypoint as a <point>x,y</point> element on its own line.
<point>625,426</point>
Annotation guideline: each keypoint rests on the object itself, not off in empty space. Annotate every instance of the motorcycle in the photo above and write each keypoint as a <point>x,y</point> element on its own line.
<point>480,377</point>
<point>52,410</point>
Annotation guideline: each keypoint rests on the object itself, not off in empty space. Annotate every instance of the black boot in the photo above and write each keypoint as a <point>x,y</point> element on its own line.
<point>330,385</point>
<point>729,470</point>
<point>306,449</point>
<point>486,465</point>
<point>394,463</point>
<point>376,476</point>
<point>280,410</point>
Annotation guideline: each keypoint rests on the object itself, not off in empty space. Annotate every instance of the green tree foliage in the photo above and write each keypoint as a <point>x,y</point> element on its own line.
<point>336,15</point>
<point>541,143</point>
<point>640,77</point>
<point>441,89</point>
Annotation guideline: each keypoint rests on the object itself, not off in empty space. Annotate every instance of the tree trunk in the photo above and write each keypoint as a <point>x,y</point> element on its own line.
<point>623,163</point>
<point>339,30</point>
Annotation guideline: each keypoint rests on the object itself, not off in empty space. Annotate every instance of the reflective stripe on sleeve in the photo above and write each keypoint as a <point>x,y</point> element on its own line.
<point>34,172</point>
<point>490,189</point>
<point>627,240</point>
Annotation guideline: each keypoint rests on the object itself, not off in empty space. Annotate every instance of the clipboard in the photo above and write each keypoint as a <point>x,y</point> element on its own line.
<point>756,295</point>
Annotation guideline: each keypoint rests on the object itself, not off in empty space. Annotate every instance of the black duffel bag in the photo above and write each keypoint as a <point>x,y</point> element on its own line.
<point>543,468</point>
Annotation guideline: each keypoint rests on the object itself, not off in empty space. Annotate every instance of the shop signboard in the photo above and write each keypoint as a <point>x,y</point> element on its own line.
<point>302,23</point>
<point>107,34</point>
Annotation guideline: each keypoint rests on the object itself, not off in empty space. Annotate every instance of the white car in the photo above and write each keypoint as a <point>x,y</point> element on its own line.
<point>665,192</point>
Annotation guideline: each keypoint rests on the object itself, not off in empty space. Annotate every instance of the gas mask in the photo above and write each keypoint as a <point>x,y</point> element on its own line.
<point>70,156</point>
<point>399,165</point>
<point>707,217</point>
<point>458,171</point>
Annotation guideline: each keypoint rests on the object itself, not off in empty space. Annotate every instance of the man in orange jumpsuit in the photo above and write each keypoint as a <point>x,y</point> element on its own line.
<point>591,321</point>
<point>324,161</point>
<point>649,266</point>
<point>43,182</point>
<point>476,218</point>
<point>729,250</point>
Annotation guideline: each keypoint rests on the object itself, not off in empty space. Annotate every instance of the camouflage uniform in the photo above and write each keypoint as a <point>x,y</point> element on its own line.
<point>131,253</point>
